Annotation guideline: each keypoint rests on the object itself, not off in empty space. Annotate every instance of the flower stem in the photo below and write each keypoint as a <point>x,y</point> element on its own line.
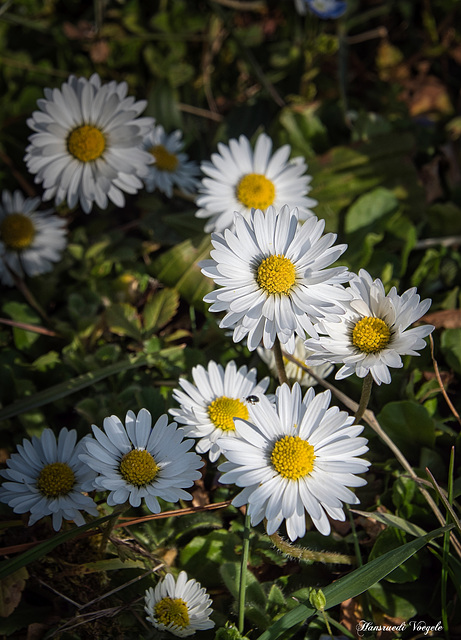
<point>446,546</point>
<point>23,288</point>
<point>364,398</point>
<point>301,553</point>
<point>327,624</point>
<point>277,349</point>
<point>243,573</point>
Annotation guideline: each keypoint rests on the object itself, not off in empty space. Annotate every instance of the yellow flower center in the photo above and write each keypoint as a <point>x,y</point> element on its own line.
<point>17,231</point>
<point>255,191</point>
<point>86,143</point>
<point>276,274</point>
<point>138,467</point>
<point>172,611</point>
<point>371,335</point>
<point>292,457</point>
<point>223,410</point>
<point>55,479</point>
<point>164,160</point>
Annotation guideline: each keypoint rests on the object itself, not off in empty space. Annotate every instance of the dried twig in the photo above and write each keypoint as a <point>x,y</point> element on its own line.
<point>29,327</point>
<point>440,381</point>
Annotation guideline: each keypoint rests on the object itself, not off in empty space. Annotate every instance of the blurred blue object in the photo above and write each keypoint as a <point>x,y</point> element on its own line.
<point>325,9</point>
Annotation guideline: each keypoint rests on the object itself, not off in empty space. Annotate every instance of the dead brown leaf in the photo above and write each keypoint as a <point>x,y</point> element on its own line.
<point>11,589</point>
<point>430,177</point>
<point>99,51</point>
<point>351,614</point>
<point>36,631</point>
<point>83,30</point>
<point>384,620</point>
<point>169,557</point>
<point>372,527</point>
<point>200,496</point>
<point>444,319</point>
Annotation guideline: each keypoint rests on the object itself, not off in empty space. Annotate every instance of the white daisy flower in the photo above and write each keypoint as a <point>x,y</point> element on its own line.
<point>240,179</point>
<point>87,143</point>
<point>181,607</point>
<point>46,478</point>
<point>373,333</point>
<point>138,461</point>
<point>273,279</point>
<point>218,396</point>
<point>294,372</point>
<point>299,456</point>
<point>30,240</point>
<point>171,167</point>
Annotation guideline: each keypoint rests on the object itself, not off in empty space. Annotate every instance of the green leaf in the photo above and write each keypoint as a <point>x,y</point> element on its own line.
<point>303,130</point>
<point>230,573</point>
<point>162,102</point>
<point>393,539</point>
<point>409,425</point>
<point>442,216</point>
<point>391,520</point>
<point>353,584</point>
<point>21,312</point>
<point>122,319</point>
<point>203,555</point>
<point>370,208</point>
<point>68,387</point>
<point>47,361</point>
<point>276,597</point>
<point>392,604</point>
<point>344,174</point>
<point>178,268</point>
<point>159,310</point>
<point>451,348</point>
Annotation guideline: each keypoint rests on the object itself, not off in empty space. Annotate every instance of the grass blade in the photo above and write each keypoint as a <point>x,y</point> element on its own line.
<point>68,387</point>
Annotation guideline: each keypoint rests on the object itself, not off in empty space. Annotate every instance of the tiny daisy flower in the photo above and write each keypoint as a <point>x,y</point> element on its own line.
<point>273,277</point>
<point>326,9</point>
<point>46,478</point>
<point>181,607</point>
<point>87,143</point>
<point>140,461</point>
<point>30,240</point>
<point>293,458</point>
<point>295,372</point>
<point>171,167</point>
<point>239,179</point>
<point>209,406</point>
<point>373,333</point>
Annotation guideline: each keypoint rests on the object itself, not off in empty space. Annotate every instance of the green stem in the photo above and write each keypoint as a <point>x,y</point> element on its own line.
<point>23,288</point>
<point>446,547</point>
<point>325,618</point>
<point>339,626</point>
<point>277,349</point>
<point>364,398</point>
<point>342,66</point>
<point>243,573</point>
<point>301,553</point>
